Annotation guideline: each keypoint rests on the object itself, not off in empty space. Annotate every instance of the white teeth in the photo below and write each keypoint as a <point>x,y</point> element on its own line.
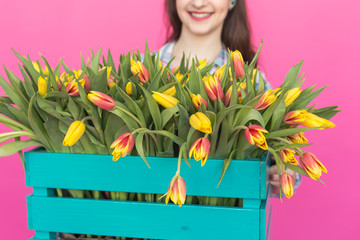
<point>200,15</point>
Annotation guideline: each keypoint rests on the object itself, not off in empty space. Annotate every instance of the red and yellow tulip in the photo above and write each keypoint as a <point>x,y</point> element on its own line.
<point>176,191</point>
<point>313,120</point>
<point>213,88</point>
<point>238,63</point>
<point>74,133</point>
<point>288,155</point>
<point>311,164</point>
<point>101,100</point>
<point>200,122</point>
<point>72,87</point>
<point>228,94</point>
<point>295,117</point>
<point>254,134</point>
<point>122,146</point>
<point>138,67</point>
<point>200,149</point>
<point>297,138</point>
<point>287,184</point>
<point>197,100</point>
<point>267,99</point>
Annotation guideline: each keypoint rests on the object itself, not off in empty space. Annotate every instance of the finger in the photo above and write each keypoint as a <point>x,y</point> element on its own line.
<point>274,183</point>
<point>274,177</point>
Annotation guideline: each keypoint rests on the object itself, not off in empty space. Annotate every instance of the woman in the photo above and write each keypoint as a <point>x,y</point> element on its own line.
<point>206,28</point>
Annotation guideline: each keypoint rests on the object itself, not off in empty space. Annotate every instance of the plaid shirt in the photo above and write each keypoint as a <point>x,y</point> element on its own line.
<point>166,52</point>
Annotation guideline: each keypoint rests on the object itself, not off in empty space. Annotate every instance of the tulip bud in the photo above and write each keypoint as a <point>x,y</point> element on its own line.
<point>42,86</point>
<point>238,63</point>
<point>72,87</point>
<point>267,99</point>
<point>254,134</point>
<point>202,64</point>
<point>219,73</point>
<point>295,117</point>
<point>197,100</point>
<point>297,138</point>
<point>176,191</point>
<point>287,155</point>
<point>101,100</point>
<point>213,88</point>
<point>200,122</point>
<point>129,88</point>
<point>312,166</point>
<point>292,95</point>
<point>138,67</point>
<point>87,83</point>
<point>315,121</point>
<point>77,73</point>
<point>170,91</point>
<point>164,100</point>
<point>287,184</point>
<point>228,94</point>
<point>110,81</point>
<point>74,133</point>
<point>123,145</point>
<point>200,150</point>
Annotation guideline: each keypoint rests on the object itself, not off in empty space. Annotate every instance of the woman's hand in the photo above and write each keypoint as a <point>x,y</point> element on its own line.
<point>274,178</point>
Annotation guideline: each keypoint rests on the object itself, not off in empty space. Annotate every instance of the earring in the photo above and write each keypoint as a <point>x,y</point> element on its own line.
<point>233,2</point>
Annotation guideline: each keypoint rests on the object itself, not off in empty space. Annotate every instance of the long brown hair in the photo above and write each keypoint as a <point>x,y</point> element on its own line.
<point>235,34</point>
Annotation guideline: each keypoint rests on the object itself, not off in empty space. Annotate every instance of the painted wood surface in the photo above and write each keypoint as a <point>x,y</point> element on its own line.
<point>243,179</point>
<point>48,214</point>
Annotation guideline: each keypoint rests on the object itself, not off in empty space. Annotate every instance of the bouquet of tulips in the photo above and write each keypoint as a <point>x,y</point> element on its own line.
<point>143,108</point>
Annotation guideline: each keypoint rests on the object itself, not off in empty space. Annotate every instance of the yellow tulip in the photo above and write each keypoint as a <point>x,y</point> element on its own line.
<point>77,73</point>
<point>170,91</point>
<point>292,95</point>
<point>297,138</point>
<point>315,121</point>
<point>129,88</point>
<point>287,155</point>
<point>164,100</point>
<point>200,122</point>
<point>74,133</point>
<point>42,86</point>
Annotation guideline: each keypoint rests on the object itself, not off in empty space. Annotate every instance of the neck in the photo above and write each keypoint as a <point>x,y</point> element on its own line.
<point>203,46</point>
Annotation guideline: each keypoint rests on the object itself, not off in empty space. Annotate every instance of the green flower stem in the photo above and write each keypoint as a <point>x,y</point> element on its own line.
<point>112,195</point>
<point>189,200</point>
<point>232,202</point>
<point>157,198</point>
<point>123,196</point>
<point>88,194</point>
<point>97,127</point>
<point>130,115</point>
<point>212,201</point>
<point>132,196</point>
<point>140,197</point>
<point>59,192</point>
<point>96,194</point>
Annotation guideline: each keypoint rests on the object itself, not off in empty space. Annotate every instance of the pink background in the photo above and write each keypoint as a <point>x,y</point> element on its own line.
<point>323,33</point>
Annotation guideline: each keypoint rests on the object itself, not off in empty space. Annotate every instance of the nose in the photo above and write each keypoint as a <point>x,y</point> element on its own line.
<point>199,3</point>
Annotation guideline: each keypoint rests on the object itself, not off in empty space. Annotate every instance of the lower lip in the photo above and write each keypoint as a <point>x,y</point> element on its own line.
<point>201,18</point>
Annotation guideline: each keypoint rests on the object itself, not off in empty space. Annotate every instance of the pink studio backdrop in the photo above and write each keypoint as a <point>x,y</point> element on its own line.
<point>323,33</point>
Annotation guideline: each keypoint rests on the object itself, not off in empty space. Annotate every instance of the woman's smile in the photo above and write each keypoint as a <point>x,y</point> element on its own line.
<point>200,16</point>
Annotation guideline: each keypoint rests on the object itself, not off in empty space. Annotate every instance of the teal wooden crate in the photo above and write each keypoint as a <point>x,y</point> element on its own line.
<point>47,214</point>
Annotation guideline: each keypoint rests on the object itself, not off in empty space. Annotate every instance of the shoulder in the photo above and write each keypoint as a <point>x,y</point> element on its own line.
<point>165,52</point>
